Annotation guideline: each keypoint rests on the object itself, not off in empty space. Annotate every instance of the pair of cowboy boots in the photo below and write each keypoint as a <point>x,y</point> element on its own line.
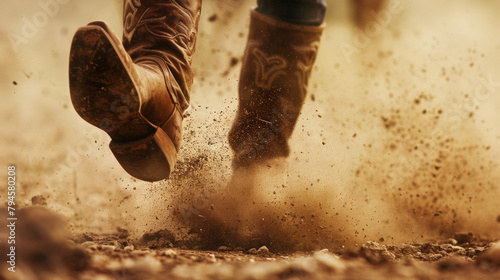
<point>138,90</point>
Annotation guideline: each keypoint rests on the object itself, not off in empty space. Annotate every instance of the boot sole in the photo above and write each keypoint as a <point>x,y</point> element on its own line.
<point>104,94</point>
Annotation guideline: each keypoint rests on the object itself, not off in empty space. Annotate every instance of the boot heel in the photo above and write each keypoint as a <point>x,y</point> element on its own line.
<point>149,159</point>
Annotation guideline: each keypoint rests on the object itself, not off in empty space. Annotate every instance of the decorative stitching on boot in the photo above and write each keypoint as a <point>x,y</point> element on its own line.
<point>132,21</point>
<point>304,67</point>
<point>267,68</point>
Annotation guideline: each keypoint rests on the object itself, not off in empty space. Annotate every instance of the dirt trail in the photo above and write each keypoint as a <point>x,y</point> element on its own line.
<point>397,142</point>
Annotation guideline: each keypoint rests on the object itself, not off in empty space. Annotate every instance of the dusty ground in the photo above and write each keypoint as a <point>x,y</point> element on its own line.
<point>397,144</point>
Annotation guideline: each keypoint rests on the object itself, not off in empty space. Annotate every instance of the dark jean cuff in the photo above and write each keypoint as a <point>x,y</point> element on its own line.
<point>304,12</point>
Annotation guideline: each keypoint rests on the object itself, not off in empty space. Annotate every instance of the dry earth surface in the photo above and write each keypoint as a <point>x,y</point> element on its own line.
<point>394,171</point>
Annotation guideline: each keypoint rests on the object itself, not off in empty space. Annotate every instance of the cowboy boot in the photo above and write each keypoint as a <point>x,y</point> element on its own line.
<point>138,91</point>
<point>277,64</point>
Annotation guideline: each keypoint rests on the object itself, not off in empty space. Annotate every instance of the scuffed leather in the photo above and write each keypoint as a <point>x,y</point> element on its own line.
<point>163,34</point>
<point>277,64</point>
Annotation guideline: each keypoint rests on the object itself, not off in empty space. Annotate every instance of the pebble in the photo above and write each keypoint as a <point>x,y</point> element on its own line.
<point>452,241</point>
<point>252,251</point>
<point>211,258</point>
<point>263,251</point>
<point>129,248</point>
<point>169,253</point>
<point>388,256</point>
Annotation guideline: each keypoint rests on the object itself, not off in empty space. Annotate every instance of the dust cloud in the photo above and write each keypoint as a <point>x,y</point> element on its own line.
<point>397,141</point>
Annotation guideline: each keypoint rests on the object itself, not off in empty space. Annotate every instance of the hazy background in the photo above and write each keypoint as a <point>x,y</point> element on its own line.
<point>399,138</point>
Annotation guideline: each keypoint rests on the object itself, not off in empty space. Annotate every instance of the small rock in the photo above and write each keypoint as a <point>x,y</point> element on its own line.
<point>479,249</point>
<point>263,251</point>
<point>39,200</point>
<point>211,258</point>
<point>452,241</point>
<point>388,256</point>
<point>169,253</point>
<point>252,251</point>
<point>122,233</point>
<point>239,249</point>
<point>129,248</point>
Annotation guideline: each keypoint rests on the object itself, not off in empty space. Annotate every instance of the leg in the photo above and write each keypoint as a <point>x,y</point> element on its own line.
<point>138,91</point>
<point>282,45</point>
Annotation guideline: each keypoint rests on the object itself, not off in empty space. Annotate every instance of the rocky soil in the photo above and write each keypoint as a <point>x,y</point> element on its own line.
<point>48,252</point>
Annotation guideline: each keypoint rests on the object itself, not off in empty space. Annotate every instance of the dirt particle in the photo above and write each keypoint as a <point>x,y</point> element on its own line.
<point>122,233</point>
<point>234,61</point>
<point>388,123</point>
<point>212,18</point>
<point>39,200</point>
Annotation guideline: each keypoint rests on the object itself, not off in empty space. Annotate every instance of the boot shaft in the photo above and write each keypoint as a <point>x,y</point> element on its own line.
<point>277,64</point>
<point>163,33</point>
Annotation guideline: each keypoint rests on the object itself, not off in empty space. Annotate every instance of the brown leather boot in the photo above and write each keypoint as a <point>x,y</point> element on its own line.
<point>273,82</point>
<point>137,92</point>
